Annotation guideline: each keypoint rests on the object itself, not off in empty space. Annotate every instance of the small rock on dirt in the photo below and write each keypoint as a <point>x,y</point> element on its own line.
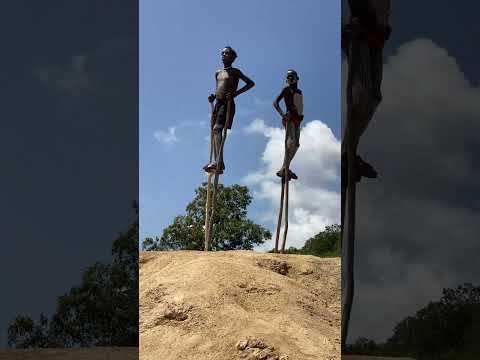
<point>242,344</point>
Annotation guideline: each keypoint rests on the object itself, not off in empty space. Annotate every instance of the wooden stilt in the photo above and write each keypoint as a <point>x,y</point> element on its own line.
<point>280,213</point>
<point>285,230</point>
<point>207,211</point>
<point>209,227</point>
<point>348,231</point>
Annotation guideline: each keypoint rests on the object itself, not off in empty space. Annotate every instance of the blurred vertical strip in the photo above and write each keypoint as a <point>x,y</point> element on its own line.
<point>69,150</point>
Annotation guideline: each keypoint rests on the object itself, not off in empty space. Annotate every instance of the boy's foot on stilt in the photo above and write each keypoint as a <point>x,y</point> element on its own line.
<point>291,174</point>
<point>210,168</point>
<point>363,169</point>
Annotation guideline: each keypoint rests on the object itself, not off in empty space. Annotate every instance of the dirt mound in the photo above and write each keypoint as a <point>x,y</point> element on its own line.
<point>366,357</point>
<point>238,305</point>
<point>95,353</point>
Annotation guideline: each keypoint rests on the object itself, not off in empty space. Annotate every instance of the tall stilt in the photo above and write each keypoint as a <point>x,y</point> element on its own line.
<point>280,213</point>
<point>283,199</point>
<point>209,181</point>
<point>348,199</point>
<point>212,121</point>
<point>348,249</point>
<point>282,196</point>
<point>285,230</point>
<point>207,212</point>
<point>365,66</point>
<point>209,227</point>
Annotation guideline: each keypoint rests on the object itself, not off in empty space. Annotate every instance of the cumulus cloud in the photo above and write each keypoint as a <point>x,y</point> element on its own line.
<point>170,136</point>
<point>416,225</point>
<point>167,137</point>
<point>69,79</point>
<point>314,199</point>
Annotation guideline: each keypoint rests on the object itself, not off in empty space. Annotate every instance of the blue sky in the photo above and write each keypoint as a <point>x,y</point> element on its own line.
<point>180,43</point>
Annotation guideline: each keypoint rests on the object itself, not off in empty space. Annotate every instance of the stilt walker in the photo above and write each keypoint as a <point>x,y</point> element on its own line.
<point>285,230</point>
<point>291,120</point>
<point>209,181</point>
<point>363,39</point>
<point>215,183</point>
<point>280,211</point>
<point>227,80</point>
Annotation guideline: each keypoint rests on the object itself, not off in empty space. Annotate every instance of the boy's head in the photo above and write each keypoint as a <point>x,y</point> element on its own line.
<point>292,77</point>
<point>228,55</point>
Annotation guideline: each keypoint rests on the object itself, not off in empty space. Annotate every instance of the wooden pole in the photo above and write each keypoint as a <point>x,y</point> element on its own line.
<point>348,233</point>
<point>282,194</point>
<point>217,174</point>
<point>207,212</point>
<point>209,182</point>
<point>280,213</point>
<point>285,230</point>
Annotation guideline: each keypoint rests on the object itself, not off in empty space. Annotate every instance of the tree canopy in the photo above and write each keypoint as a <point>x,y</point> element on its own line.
<point>232,230</point>
<point>101,311</point>
<point>445,329</point>
<point>326,243</point>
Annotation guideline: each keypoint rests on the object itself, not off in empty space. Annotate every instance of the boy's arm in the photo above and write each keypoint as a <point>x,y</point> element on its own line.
<point>211,97</point>
<point>276,104</point>
<point>248,84</point>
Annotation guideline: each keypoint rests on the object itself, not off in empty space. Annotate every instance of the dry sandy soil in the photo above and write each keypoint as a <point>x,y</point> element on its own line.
<point>358,357</point>
<point>238,305</point>
<point>71,354</point>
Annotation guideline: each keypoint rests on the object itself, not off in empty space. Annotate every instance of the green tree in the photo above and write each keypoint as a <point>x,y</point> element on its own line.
<point>442,328</point>
<point>363,346</point>
<point>445,329</point>
<point>232,230</point>
<point>26,333</point>
<point>101,311</point>
<point>326,243</point>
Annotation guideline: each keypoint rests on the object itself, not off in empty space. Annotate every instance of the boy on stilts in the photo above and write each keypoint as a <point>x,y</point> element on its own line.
<point>223,111</point>
<point>363,40</point>
<point>291,119</point>
<point>293,98</point>
<point>227,80</point>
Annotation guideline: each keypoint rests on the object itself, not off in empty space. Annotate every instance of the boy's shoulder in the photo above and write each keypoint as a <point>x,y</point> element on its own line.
<point>231,70</point>
<point>288,88</point>
<point>236,71</point>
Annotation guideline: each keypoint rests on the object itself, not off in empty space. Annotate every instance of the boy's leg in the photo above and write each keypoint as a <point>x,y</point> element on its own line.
<point>292,145</point>
<point>291,142</point>
<point>217,130</point>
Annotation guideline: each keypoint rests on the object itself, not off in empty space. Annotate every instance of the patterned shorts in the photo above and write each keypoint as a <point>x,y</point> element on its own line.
<point>221,114</point>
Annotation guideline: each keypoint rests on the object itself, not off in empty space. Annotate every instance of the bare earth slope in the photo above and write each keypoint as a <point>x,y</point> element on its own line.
<point>366,357</point>
<point>98,353</point>
<point>238,305</point>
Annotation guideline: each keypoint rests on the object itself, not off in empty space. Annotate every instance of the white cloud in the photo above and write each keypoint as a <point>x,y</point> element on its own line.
<point>170,135</point>
<point>167,137</point>
<point>314,199</point>
<point>423,141</point>
<point>69,79</point>
<point>257,126</point>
